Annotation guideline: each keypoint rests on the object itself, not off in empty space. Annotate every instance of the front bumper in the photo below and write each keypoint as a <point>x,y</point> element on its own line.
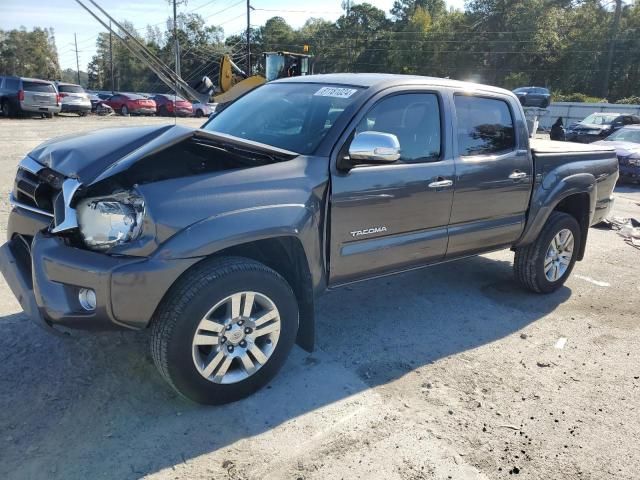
<point>45,274</point>
<point>143,111</point>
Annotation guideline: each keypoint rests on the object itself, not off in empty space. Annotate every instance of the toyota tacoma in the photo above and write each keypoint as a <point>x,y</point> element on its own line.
<point>220,239</point>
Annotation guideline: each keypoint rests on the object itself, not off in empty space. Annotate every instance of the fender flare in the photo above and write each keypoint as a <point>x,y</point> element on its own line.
<point>549,194</point>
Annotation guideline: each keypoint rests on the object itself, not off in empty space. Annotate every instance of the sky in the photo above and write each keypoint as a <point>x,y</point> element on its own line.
<point>67,17</point>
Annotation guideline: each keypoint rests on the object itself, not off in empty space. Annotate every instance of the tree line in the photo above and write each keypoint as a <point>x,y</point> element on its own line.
<point>560,44</point>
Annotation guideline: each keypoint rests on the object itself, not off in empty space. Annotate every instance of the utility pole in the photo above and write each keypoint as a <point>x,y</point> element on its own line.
<point>175,37</point>
<point>615,26</point>
<point>111,56</point>
<point>248,38</point>
<point>75,39</point>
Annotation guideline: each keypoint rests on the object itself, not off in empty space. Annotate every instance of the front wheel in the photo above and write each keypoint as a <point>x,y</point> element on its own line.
<point>124,111</point>
<point>545,265</point>
<point>199,113</point>
<point>224,330</point>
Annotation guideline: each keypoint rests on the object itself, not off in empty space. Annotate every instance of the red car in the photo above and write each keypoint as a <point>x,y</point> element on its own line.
<point>130,103</point>
<point>170,105</point>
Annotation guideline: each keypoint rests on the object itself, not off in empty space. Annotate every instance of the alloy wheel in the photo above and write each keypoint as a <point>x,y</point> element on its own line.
<point>558,256</point>
<point>236,337</point>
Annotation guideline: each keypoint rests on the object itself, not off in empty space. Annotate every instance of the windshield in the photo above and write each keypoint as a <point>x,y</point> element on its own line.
<point>291,116</point>
<point>625,135</point>
<point>599,119</point>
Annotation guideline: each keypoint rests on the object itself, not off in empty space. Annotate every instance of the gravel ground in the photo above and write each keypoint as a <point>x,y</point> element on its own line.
<point>452,372</point>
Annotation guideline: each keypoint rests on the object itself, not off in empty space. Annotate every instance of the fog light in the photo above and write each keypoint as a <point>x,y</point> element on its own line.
<point>87,299</point>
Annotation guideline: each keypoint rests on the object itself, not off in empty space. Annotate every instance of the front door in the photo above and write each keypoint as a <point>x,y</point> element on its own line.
<point>387,218</point>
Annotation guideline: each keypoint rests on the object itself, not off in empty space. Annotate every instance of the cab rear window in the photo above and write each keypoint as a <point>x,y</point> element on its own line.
<point>70,89</point>
<point>38,87</point>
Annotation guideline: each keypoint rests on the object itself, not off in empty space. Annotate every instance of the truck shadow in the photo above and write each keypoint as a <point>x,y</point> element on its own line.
<point>71,408</point>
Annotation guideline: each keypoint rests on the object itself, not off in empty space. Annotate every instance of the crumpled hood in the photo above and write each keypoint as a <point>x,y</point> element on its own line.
<point>85,156</point>
<point>623,149</point>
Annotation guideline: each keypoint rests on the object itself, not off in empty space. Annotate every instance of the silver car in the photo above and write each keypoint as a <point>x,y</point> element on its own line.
<point>19,95</point>
<point>74,99</point>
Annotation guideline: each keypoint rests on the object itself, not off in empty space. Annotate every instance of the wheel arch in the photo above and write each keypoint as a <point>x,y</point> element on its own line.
<point>574,195</point>
<point>285,255</point>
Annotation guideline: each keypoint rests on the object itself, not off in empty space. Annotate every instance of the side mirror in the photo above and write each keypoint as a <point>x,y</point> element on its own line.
<point>374,147</point>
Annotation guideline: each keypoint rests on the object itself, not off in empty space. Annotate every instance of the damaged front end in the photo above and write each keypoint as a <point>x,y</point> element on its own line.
<point>82,235</point>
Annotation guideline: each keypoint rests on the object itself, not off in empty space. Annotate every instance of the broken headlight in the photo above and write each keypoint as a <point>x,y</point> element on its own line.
<point>105,222</point>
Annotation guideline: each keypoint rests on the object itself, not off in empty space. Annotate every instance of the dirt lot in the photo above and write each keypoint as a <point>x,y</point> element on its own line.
<point>450,372</point>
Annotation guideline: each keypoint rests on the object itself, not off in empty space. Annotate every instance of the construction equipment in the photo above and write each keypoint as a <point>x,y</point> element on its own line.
<point>233,82</point>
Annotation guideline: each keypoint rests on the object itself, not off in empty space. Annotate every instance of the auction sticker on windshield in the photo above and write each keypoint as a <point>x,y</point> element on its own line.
<point>335,92</point>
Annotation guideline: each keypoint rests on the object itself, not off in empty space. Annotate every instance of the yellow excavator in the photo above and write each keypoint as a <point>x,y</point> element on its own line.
<point>234,82</point>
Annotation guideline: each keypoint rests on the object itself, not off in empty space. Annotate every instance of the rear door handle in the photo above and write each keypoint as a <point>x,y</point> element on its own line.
<point>517,175</point>
<point>441,183</point>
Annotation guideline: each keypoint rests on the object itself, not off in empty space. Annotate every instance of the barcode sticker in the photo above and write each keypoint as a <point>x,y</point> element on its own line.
<point>335,92</point>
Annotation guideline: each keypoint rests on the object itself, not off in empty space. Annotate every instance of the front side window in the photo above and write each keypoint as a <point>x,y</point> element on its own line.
<point>291,116</point>
<point>414,118</point>
<point>485,126</point>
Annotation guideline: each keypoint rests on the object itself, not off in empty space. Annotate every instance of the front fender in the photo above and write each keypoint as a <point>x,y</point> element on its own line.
<point>548,194</point>
<point>228,229</point>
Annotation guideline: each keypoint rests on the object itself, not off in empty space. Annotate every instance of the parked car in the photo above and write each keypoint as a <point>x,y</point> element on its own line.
<point>74,99</point>
<point>626,141</point>
<point>598,126</point>
<point>95,100</point>
<point>170,105</point>
<point>533,96</point>
<point>131,104</point>
<point>203,109</point>
<point>230,232</point>
<point>21,95</point>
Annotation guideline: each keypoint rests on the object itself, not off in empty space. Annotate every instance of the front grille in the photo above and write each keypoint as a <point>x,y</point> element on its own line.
<point>37,190</point>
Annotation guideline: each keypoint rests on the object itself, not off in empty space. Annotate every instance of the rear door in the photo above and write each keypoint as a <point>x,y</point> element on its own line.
<point>39,94</point>
<point>493,174</point>
<point>386,218</point>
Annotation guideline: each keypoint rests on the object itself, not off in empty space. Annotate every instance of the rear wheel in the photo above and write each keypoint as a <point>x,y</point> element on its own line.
<point>545,265</point>
<point>224,330</point>
<point>199,113</point>
<point>6,112</point>
<point>162,111</point>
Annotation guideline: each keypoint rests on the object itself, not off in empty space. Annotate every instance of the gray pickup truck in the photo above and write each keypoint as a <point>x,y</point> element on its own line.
<point>220,239</point>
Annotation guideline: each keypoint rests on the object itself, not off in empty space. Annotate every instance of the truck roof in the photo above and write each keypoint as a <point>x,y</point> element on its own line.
<point>387,80</point>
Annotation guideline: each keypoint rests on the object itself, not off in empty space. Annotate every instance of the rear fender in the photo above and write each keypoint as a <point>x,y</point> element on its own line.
<point>549,194</point>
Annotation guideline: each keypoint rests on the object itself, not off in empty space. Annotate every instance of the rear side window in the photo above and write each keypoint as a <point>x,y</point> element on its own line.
<point>485,126</point>
<point>70,89</point>
<point>414,118</point>
<point>38,87</point>
<point>11,84</point>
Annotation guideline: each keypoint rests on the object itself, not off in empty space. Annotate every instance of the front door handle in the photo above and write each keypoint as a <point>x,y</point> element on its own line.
<point>441,183</point>
<point>517,175</point>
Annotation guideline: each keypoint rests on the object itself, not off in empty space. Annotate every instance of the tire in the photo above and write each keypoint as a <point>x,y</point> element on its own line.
<point>6,110</point>
<point>530,261</point>
<point>124,111</point>
<point>48,115</point>
<point>177,325</point>
<point>162,111</point>
<point>199,113</point>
